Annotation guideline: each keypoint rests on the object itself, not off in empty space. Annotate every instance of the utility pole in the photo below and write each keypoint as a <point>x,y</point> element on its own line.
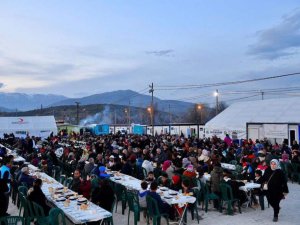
<point>152,108</point>
<point>170,116</point>
<point>262,95</point>
<point>129,119</point>
<point>77,112</point>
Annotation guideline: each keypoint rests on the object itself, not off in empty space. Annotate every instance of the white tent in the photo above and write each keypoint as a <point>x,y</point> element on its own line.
<point>39,126</point>
<point>234,119</point>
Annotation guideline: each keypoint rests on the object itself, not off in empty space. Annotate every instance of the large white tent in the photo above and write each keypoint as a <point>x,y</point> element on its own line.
<point>39,126</point>
<point>271,114</point>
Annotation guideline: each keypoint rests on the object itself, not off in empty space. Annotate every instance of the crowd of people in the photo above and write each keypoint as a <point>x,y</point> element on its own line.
<point>160,160</point>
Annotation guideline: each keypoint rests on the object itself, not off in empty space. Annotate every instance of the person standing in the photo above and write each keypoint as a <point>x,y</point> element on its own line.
<point>275,185</point>
<point>5,176</point>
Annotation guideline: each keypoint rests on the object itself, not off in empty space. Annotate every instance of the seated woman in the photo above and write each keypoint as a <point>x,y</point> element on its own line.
<point>175,185</point>
<point>36,195</point>
<point>186,190</point>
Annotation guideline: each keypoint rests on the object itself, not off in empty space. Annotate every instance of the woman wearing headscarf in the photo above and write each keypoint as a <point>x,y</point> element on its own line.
<point>275,184</point>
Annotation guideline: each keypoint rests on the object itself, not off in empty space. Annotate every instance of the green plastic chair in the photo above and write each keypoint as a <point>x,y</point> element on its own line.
<point>57,217</point>
<point>62,179</point>
<point>69,181</point>
<point>23,206</point>
<point>295,172</point>
<point>26,208</point>
<point>39,214</point>
<point>208,196</point>
<point>159,181</point>
<point>133,206</point>
<point>145,173</point>
<point>12,220</point>
<point>110,220</point>
<point>121,195</point>
<point>153,212</point>
<point>227,197</point>
<point>23,190</point>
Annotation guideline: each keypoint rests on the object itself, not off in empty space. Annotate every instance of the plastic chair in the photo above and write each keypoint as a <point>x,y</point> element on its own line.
<point>208,196</point>
<point>23,190</point>
<point>12,220</point>
<point>133,206</point>
<point>227,197</point>
<point>295,172</point>
<point>57,216</point>
<point>56,172</point>
<point>69,181</point>
<point>121,195</point>
<point>39,214</point>
<point>153,211</point>
<point>110,220</point>
<point>159,181</point>
<point>145,173</point>
<point>62,179</point>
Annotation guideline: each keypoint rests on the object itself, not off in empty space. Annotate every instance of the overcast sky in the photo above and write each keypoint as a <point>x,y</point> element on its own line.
<point>77,48</point>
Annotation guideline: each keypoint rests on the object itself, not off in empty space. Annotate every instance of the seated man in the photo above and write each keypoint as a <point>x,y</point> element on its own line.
<point>150,177</point>
<point>236,192</point>
<point>164,181</point>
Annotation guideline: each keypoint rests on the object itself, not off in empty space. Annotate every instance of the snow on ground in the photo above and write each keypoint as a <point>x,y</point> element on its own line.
<point>288,214</point>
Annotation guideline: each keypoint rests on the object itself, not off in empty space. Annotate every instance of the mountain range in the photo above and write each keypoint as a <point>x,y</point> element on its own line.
<point>24,102</point>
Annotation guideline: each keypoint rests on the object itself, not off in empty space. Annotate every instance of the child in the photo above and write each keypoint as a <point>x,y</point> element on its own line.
<point>143,194</point>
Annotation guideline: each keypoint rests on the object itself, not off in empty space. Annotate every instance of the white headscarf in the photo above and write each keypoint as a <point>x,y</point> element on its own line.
<point>277,164</point>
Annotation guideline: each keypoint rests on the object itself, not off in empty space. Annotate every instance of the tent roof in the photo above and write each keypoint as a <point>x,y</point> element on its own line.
<point>27,122</point>
<point>235,117</point>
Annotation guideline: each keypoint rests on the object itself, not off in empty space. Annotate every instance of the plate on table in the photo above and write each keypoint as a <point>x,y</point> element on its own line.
<point>81,199</point>
<point>60,199</point>
<point>163,189</point>
<point>72,198</point>
<point>68,194</point>
<point>118,178</point>
<point>59,188</point>
<point>168,197</point>
<point>172,193</point>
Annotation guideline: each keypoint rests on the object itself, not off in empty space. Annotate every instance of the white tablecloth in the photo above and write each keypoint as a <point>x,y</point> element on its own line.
<point>135,184</point>
<point>73,212</point>
<point>228,166</point>
<point>249,186</point>
<point>19,159</point>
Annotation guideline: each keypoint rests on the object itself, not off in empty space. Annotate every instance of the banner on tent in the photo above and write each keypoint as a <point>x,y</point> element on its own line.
<point>276,130</point>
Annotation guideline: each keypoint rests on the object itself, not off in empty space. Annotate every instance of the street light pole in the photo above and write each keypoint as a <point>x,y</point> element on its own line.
<point>152,108</point>
<point>199,107</point>
<point>77,112</point>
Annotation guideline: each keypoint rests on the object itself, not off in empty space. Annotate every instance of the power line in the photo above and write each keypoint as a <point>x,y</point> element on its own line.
<point>192,86</point>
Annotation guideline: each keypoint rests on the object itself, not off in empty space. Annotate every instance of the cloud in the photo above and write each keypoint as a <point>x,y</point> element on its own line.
<point>280,40</point>
<point>1,85</point>
<point>166,52</point>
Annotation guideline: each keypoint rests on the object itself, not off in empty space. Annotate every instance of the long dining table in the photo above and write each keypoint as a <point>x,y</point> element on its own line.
<point>72,209</point>
<point>169,196</point>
